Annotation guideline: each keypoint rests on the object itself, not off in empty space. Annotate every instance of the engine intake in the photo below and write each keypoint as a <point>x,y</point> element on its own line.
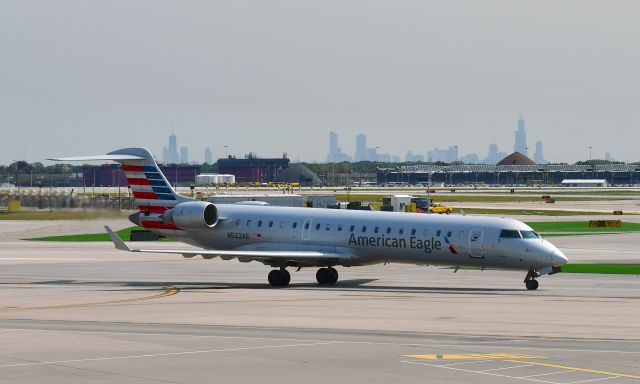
<point>192,215</point>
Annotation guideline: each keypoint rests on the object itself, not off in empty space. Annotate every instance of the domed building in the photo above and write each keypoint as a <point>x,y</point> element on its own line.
<point>298,173</point>
<point>516,158</point>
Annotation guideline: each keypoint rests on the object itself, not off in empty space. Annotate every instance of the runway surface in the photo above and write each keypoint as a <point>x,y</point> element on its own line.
<point>85,313</point>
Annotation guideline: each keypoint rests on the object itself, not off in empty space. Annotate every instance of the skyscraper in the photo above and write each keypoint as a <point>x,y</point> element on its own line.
<point>208,156</point>
<point>184,155</point>
<point>521,138</point>
<point>538,156</point>
<point>335,152</point>
<point>362,152</point>
<point>170,154</point>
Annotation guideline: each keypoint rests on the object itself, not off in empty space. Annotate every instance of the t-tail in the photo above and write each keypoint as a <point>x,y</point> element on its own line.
<point>150,188</point>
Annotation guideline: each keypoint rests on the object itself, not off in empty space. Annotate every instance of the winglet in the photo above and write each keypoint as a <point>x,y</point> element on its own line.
<point>117,241</point>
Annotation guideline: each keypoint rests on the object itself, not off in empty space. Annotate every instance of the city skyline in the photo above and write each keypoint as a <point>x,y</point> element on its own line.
<point>223,73</point>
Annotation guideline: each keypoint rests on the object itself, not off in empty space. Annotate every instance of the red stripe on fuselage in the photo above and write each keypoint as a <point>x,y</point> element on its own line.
<point>144,195</point>
<point>158,225</point>
<point>138,181</point>
<point>132,168</point>
<point>152,209</point>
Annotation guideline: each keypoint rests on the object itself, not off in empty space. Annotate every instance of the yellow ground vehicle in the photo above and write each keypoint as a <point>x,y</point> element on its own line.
<point>440,208</point>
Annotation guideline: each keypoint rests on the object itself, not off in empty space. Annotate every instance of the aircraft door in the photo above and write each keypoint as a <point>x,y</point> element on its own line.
<point>306,229</point>
<point>475,243</point>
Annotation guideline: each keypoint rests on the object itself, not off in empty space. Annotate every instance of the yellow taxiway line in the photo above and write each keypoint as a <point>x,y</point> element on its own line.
<point>168,291</point>
<point>576,369</point>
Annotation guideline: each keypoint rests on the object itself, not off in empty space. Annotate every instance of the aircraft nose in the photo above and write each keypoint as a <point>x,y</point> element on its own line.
<point>558,258</point>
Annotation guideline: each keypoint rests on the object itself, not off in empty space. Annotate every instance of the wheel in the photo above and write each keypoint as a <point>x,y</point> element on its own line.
<point>279,278</point>
<point>532,285</point>
<point>448,211</point>
<point>322,276</point>
<point>333,275</point>
<point>274,278</point>
<point>285,277</point>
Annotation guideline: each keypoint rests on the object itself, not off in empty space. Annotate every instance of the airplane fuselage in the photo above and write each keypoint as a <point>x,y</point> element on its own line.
<point>367,237</point>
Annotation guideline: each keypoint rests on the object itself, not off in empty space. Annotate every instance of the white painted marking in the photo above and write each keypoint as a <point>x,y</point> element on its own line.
<point>480,372</point>
<point>466,362</point>
<point>474,346</point>
<point>160,355</point>
<point>500,369</point>
<point>588,381</point>
<point>174,335</point>
<point>550,373</point>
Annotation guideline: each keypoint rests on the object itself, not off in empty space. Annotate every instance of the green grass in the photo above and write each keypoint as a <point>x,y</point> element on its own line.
<point>453,198</point>
<point>618,269</point>
<point>123,233</point>
<point>506,212</point>
<point>581,226</point>
<point>64,215</point>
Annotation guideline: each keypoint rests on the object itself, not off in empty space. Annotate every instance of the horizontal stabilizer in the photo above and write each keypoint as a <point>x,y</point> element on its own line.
<point>99,158</point>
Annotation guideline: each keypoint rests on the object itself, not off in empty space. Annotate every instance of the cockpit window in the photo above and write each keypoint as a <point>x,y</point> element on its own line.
<point>530,235</point>
<point>509,234</point>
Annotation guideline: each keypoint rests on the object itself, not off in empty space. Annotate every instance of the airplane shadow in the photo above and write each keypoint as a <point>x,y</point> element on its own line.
<point>347,285</point>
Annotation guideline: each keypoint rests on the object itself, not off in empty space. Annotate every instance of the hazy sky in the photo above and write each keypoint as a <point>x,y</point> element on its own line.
<point>86,77</point>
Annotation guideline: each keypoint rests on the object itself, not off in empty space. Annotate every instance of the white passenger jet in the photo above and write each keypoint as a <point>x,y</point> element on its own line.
<point>284,237</point>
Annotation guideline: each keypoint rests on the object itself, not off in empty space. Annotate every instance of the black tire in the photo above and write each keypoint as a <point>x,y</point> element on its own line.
<point>448,211</point>
<point>532,285</point>
<point>322,276</point>
<point>333,276</point>
<point>274,278</point>
<point>285,277</point>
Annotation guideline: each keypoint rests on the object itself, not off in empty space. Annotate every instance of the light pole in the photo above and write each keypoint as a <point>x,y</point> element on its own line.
<point>226,153</point>
<point>377,150</point>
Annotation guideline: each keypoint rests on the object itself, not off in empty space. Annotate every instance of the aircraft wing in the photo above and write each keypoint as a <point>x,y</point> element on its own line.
<point>310,257</point>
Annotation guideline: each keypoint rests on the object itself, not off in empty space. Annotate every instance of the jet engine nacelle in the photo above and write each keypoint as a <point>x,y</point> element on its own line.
<point>192,215</point>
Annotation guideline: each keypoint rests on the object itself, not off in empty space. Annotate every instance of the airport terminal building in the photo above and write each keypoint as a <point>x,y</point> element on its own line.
<point>513,170</point>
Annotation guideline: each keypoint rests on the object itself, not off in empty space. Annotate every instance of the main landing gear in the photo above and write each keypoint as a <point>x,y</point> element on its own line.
<point>530,281</point>
<point>326,276</point>
<point>279,277</point>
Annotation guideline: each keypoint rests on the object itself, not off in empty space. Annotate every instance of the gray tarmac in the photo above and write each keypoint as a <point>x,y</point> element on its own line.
<point>85,313</point>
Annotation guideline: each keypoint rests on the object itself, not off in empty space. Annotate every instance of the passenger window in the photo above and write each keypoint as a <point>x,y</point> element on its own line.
<point>352,228</point>
<point>238,223</point>
<point>339,227</point>
<point>426,232</point>
<point>413,232</point>
<point>400,231</point>
<point>282,224</point>
<point>295,225</point>
<point>328,227</point>
<point>364,228</point>
<point>259,223</point>
<point>388,230</point>
<point>318,227</point>
<point>306,225</point>
<point>376,229</point>
<point>509,234</point>
<point>438,233</point>
<point>449,234</point>
<point>248,223</point>
<point>270,224</point>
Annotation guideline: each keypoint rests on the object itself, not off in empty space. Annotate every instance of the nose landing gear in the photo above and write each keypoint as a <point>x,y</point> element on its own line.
<point>530,281</point>
<point>279,277</point>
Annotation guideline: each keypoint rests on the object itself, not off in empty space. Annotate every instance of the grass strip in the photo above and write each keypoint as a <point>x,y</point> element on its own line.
<point>64,215</point>
<point>124,234</point>
<point>580,226</point>
<point>614,269</point>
